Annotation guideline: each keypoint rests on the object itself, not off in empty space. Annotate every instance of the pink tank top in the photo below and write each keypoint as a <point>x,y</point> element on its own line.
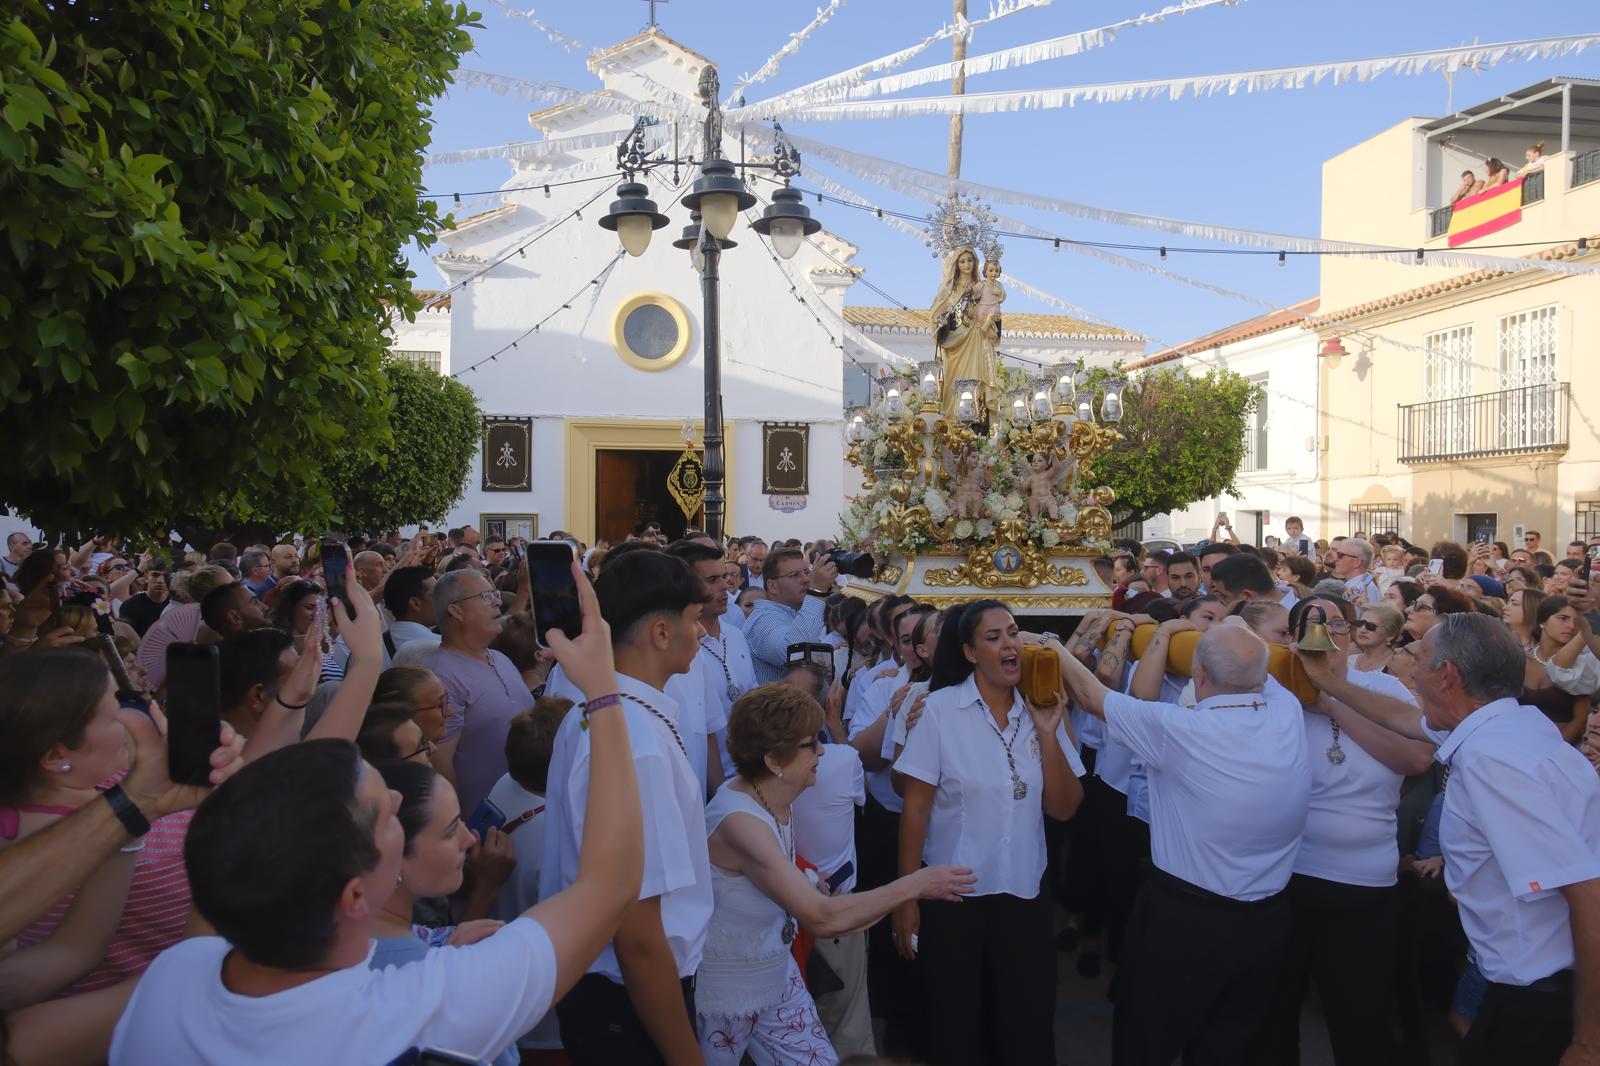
<point>154,915</point>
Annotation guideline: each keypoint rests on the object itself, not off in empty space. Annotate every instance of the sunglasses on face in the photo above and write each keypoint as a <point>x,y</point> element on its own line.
<point>1368,627</point>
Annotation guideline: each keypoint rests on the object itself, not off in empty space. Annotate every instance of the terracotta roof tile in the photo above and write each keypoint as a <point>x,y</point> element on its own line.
<point>1270,322</point>
<point>429,294</point>
<point>1555,253</point>
<point>1014,322</point>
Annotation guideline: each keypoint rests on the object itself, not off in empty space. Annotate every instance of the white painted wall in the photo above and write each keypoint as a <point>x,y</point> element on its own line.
<point>1288,485</point>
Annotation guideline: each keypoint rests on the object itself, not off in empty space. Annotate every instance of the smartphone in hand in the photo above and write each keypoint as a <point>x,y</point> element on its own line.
<point>336,570</point>
<point>555,590</point>
<point>194,711</point>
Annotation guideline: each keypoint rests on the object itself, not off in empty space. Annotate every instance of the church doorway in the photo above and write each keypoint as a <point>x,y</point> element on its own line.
<point>631,492</point>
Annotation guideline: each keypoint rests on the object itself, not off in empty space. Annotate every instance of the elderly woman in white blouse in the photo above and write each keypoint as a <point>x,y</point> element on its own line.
<point>748,993</point>
<point>982,769</point>
<point>1342,893</point>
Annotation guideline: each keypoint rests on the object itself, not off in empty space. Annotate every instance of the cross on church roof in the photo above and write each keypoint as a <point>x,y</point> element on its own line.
<point>653,4</point>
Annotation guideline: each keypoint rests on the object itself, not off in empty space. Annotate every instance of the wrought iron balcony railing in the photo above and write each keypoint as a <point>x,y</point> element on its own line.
<point>1510,422</point>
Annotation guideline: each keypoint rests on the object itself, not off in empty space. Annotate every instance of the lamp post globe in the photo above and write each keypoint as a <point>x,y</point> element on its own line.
<point>719,195</point>
<point>634,217</point>
<point>786,221</point>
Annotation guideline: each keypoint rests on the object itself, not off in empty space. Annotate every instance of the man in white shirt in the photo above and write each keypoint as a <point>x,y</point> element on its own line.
<point>724,656</point>
<point>1520,834</point>
<point>1351,560</point>
<point>296,855</point>
<point>791,613</point>
<point>636,1003</point>
<point>18,547</point>
<point>1229,787</point>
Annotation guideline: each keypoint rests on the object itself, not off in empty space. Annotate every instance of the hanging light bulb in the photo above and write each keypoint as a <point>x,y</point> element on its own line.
<point>719,195</point>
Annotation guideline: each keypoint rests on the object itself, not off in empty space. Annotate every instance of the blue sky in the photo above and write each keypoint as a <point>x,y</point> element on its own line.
<point>1247,161</point>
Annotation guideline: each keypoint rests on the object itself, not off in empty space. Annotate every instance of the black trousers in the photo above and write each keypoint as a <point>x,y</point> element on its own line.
<point>1343,937</point>
<point>989,967</point>
<point>1522,1026</point>
<point>600,1028</point>
<point>1081,883</point>
<point>893,987</point>
<point>1196,976</point>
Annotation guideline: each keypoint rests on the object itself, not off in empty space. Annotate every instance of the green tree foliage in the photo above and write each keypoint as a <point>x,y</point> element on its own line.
<point>437,429</point>
<point>1184,441</point>
<point>204,205</point>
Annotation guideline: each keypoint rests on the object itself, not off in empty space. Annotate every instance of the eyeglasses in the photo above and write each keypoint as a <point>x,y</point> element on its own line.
<point>1368,627</point>
<point>1338,626</point>
<point>490,596</point>
<point>426,749</point>
<point>1344,555</point>
<point>1424,608</point>
<point>443,707</point>
<point>811,744</point>
<point>794,574</point>
<point>119,566</point>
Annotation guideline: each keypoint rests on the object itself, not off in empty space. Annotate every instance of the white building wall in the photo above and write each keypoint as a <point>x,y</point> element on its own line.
<point>1288,484</point>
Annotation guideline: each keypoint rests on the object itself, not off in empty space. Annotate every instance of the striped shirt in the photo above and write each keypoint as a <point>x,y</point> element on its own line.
<point>153,917</point>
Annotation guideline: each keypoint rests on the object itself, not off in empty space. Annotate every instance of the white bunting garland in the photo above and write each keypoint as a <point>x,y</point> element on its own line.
<point>895,60</point>
<point>1249,81</point>
<point>555,35</point>
<point>548,92</point>
<point>770,67</point>
<point>518,150</point>
<point>930,187</point>
<point>1023,55</point>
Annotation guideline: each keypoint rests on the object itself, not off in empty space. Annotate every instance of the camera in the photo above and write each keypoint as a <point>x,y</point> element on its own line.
<point>852,564</point>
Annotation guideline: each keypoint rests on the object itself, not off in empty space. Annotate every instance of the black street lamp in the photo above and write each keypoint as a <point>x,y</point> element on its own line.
<point>715,201</point>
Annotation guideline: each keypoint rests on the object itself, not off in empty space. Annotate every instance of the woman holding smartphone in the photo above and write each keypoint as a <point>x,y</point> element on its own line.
<point>982,769</point>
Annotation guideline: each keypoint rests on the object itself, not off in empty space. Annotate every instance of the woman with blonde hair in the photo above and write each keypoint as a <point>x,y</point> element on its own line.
<point>1374,635</point>
<point>966,350</point>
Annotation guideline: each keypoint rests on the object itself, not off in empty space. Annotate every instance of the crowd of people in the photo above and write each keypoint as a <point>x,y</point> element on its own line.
<point>747,813</point>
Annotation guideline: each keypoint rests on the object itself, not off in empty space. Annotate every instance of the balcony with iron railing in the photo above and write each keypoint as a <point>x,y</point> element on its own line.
<point>1509,422</point>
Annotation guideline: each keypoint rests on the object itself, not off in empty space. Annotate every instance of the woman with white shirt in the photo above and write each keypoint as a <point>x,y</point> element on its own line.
<point>982,768</point>
<point>749,994</point>
<point>1342,894</point>
<point>1562,645</point>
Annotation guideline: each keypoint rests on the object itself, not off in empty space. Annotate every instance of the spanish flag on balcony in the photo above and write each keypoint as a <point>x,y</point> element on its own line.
<point>1488,212</point>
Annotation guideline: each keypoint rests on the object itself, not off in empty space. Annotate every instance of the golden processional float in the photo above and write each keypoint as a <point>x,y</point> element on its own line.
<point>974,472</point>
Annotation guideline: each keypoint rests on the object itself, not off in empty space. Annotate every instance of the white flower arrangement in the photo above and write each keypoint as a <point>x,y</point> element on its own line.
<point>880,450</point>
<point>1050,538</point>
<point>964,530</point>
<point>985,528</point>
<point>938,507</point>
<point>1014,503</point>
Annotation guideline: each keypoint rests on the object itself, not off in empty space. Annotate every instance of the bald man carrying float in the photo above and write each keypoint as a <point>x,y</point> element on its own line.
<point>1229,788</point>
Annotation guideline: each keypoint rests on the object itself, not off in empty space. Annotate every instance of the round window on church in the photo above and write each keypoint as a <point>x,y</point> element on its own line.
<point>650,331</point>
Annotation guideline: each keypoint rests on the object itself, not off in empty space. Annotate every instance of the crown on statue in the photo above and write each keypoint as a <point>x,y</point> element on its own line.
<point>960,221</point>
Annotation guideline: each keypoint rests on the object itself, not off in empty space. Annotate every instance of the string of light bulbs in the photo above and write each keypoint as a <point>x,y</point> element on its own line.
<point>566,305</point>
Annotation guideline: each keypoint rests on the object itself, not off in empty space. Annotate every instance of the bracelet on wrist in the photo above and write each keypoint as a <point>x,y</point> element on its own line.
<point>292,706</point>
<point>600,703</point>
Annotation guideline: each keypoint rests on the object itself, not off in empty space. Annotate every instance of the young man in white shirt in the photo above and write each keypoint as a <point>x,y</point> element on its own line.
<point>635,1005</point>
<point>1521,839</point>
<point>1229,788</point>
<point>292,860</point>
<point>724,656</point>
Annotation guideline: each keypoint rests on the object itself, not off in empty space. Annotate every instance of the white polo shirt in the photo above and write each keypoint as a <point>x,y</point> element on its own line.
<point>1228,783</point>
<point>676,865</point>
<point>977,821</point>
<point>874,705</point>
<point>727,660</point>
<point>825,813</point>
<point>1350,826</point>
<point>1521,820</point>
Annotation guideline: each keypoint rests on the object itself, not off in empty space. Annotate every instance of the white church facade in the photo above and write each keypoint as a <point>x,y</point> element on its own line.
<point>588,412</point>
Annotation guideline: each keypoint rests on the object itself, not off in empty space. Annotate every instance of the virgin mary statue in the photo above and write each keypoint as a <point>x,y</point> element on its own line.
<point>966,347</point>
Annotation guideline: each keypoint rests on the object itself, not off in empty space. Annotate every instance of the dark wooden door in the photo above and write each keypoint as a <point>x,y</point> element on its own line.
<point>615,494</point>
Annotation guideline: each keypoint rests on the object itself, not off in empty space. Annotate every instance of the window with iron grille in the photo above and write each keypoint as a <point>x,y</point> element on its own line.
<point>1588,520</point>
<point>1447,375</point>
<point>1527,411</point>
<point>1373,518</point>
<point>431,360</point>
<point>1255,430</point>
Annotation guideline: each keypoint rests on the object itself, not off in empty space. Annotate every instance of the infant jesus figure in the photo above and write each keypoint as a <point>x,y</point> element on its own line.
<point>1042,479</point>
<point>971,475</point>
<point>991,294</point>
